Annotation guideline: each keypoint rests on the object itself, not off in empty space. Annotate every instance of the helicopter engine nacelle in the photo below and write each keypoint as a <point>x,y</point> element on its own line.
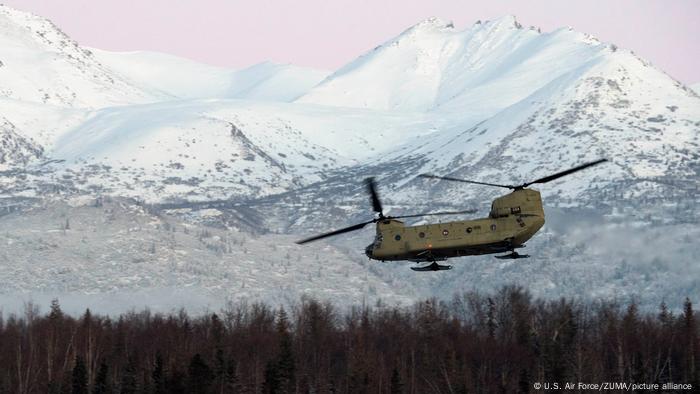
<point>519,202</point>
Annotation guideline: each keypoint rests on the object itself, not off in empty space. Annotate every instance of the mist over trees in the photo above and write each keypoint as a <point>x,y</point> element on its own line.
<point>501,342</point>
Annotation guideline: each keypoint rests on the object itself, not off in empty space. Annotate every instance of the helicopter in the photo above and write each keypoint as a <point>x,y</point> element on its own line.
<point>514,219</point>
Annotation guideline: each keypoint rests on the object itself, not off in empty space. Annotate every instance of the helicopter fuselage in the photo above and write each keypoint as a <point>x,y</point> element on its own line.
<point>514,219</point>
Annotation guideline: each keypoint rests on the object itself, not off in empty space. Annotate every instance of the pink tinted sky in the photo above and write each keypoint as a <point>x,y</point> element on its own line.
<point>328,33</point>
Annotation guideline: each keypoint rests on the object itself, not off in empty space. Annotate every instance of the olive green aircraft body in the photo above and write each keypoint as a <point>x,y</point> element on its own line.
<point>514,219</point>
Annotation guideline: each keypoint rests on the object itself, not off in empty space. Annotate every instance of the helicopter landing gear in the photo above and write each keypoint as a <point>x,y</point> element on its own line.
<point>513,255</point>
<point>433,267</point>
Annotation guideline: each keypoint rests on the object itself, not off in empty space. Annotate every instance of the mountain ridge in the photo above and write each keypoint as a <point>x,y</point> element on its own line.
<point>42,64</point>
<point>188,79</point>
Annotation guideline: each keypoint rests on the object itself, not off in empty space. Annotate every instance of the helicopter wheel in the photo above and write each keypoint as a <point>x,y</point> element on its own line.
<point>513,255</point>
<point>434,266</point>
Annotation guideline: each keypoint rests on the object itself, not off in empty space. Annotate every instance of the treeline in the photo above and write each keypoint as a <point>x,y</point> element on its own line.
<point>503,342</point>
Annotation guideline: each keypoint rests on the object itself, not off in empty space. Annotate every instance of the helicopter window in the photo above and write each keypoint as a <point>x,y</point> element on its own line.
<point>421,234</point>
<point>515,210</point>
<point>469,229</point>
<point>493,227</point>
<point>397,237</point>
<point>445,232</point>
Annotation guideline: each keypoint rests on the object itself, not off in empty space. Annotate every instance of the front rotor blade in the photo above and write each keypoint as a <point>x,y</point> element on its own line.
<point>447,178</point>
<point>372,189</point>
<point>336,232</point>
<point>434,214</point>
<point>564,173</point>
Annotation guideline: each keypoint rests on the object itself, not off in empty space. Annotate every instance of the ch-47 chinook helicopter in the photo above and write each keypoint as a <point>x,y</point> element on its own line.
<point>514,219</point>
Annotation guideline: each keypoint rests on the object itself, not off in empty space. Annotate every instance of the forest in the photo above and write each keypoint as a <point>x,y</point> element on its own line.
<point>502,342</point>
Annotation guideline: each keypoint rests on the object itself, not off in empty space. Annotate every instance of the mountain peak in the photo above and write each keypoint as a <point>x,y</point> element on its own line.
<point>429,25</point>
<point>42,64</point>
<point>435,22</point>
<point>433,63</point>
<point>505,22</point>
<point>24,27</point>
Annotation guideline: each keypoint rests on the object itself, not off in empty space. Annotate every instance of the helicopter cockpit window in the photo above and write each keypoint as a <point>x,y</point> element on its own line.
<point>378,241</point>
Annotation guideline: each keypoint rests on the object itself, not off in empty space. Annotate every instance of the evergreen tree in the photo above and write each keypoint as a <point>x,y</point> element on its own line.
<point>199,375</point>
<point>279,372</point>
<point>558,346</point>
<point>232,381</point>
<point>176,383</point>
<point>665,316</point>
<point>55,323</point>
<point>690,337</point>
<point>129,381</point>
<point>491,318</point>
<point>396,385</point>
<point>224,373</point>
<point>271,384</point>
<point>53,387</point>
<point>630,339</point>
<point>217,329</point>
<point>524,381</point>
<point>79,378</point>
<point>285,361</point>
<point>101,385</point>
<point>158,375</point>
<point>56,312</point>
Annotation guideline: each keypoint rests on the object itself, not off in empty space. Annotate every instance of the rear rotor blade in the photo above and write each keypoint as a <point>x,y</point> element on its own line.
<point>376,203</point>
<point>447,178</point>
<point>434,214</point>
<point>336,232</point>
<point>564,173</point>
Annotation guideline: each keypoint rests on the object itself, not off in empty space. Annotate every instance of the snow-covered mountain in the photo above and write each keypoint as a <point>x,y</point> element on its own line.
<point>186,79</point>
<point>39,63</point>
<point>615,106</point>
<point>202,149</point>
<point>272,152</point>
<point>502,96</point>
<point>16,150</point>
<point>696,87</point>
<point>481,69</point>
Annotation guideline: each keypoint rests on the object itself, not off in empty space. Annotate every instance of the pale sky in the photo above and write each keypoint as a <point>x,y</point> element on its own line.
<point>329,33</point>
